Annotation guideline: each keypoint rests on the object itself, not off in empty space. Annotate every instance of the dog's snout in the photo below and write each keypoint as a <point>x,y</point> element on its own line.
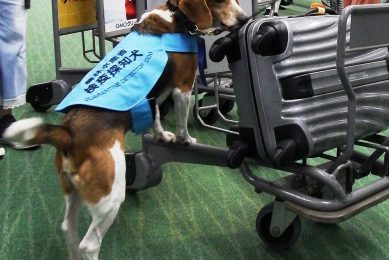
<point>240,17</point>
<point>239,22</point>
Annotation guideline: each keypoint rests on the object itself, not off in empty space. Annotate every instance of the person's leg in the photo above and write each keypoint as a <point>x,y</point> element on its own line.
<point>13,70</point>
<point>13,23</point>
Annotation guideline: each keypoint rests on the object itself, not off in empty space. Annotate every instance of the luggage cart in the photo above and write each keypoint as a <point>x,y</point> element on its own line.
<point>323,192</point>
<point>97,31</point>
<point>216,103</point>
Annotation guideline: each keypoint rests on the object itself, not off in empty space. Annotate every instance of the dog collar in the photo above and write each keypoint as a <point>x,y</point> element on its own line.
<point>182,18</point>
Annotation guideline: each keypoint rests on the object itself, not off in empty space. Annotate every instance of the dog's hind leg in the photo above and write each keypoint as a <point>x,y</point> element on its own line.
<point>72,210</point>
<point>69,224</point>
<point>102,218</point>
<point>181,111</point>
<point>104,212</point>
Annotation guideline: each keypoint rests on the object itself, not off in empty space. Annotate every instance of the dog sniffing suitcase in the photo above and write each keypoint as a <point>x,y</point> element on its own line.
<point>290,95</point>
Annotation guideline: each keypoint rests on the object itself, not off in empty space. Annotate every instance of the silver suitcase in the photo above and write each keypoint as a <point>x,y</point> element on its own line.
<point>290,97</point>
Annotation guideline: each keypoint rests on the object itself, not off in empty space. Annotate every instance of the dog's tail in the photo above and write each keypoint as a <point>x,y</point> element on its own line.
<point>33,131</point>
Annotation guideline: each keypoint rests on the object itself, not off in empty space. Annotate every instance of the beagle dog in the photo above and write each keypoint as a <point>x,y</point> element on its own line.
<point>90,142</point>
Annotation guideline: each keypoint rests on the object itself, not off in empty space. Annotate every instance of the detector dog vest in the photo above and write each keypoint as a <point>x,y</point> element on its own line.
<point>123,79</point>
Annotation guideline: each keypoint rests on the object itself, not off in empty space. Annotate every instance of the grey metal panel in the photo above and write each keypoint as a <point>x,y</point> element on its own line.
<point>248,6</point>
<point>151,4</point>
<point>366,20</point>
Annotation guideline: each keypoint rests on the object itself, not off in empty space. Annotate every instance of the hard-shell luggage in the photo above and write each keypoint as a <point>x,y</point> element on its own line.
<point>290,94</point>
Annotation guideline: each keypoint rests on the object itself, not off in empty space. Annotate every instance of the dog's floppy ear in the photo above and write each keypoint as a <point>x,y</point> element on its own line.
<point>197,11</point>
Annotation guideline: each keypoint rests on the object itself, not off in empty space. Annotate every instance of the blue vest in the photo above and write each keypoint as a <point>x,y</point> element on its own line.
<point>123,79</point>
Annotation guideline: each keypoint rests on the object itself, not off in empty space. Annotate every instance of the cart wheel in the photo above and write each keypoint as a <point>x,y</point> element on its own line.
<point>226,106</point>
<point>283,242</point>
<point>130,173</point>
<point>209,117</point>
<point>39,108</point>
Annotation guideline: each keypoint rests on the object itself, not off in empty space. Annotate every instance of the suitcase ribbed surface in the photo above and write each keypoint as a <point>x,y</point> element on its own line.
<point>312,50</point>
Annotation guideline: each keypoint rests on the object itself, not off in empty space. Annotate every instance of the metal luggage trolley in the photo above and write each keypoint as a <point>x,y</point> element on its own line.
<point>97,30</point>
<point>218,101</point>
<point>323,193</point>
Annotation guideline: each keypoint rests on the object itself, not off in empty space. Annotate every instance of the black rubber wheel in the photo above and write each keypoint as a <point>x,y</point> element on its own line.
<point>283,242</point>
<point>209,118</point>
<point>226,106</point>
<point>41,109</point>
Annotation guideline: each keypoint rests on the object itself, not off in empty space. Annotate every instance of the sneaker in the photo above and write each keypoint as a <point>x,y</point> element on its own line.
<point>5,122</point>
<point>2,152</point>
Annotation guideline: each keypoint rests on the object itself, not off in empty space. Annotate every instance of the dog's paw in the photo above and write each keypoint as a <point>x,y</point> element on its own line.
<point>89,250</point>
<point>165,136</point>
<point>184,140</point>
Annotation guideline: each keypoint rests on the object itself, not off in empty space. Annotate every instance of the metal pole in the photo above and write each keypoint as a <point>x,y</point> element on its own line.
<point>101,27</point>
<point>254,6</point>
<point>56,34</point>
<point>141,7</point>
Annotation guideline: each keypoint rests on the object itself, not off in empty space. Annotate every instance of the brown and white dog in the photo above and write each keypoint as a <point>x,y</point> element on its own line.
<point>90,142</point>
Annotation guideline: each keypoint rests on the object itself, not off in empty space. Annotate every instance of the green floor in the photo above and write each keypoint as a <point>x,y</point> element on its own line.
<point>197,212</point>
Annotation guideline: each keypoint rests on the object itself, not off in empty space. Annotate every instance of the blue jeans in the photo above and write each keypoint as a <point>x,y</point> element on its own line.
<point>13,70</point>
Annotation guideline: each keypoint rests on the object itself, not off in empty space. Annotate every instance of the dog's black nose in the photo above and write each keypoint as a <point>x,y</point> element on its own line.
<point>242,20</point>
